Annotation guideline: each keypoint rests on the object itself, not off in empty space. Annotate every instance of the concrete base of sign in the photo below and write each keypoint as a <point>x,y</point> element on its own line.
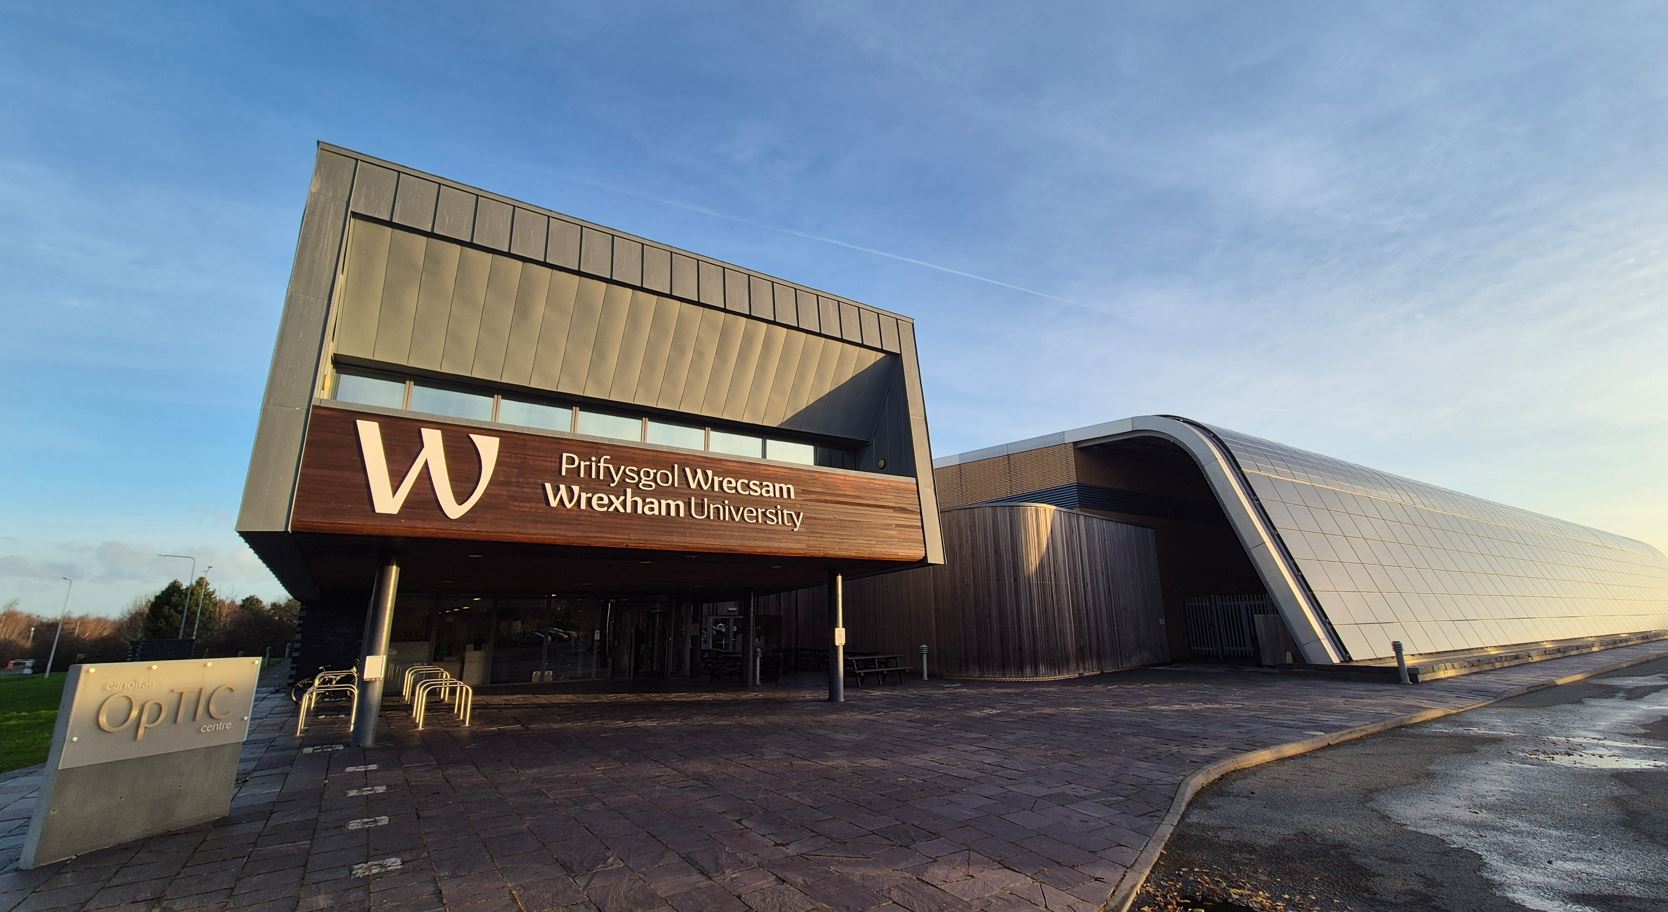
<point>140,748</point>
<point>93,807</point>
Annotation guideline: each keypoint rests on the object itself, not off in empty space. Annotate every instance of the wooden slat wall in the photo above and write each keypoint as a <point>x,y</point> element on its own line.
<point>1026,591</point>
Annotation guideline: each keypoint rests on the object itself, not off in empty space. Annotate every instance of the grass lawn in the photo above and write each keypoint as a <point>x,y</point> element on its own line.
<point>28,707</point>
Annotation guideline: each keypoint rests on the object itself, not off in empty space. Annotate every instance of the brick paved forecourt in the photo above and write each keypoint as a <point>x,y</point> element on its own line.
<point>920,797</point>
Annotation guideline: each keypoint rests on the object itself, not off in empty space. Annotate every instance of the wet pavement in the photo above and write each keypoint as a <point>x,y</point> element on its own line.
<point>919,797</point>
<point>1554,801</point>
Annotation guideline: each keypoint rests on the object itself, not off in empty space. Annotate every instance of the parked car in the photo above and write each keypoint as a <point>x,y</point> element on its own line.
<point>20,667</point>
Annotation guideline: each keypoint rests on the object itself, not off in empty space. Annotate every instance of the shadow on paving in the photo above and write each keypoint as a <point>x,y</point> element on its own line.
<point>918,797</point>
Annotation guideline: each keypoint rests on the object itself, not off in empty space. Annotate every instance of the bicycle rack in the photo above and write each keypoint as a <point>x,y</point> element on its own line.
<point>310,699</point>
<point>415,673</point>
<point>461,695</point>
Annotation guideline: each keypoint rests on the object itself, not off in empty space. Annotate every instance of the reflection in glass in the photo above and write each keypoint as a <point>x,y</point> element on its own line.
<point>737,444</point>
<point>603,424</point>
<point>438,400</point>
<point>789,451</point>
<point>1392,558</point>
<point>367,390</point>
<point>535,414</point>
<point>677,435</point>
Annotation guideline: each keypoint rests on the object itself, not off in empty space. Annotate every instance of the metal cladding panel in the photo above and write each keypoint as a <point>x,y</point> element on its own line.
<point>870,324</point>
<point>761,298</point>
<point>787,306</point>
<point>828,311</point>
<point>711,281</point>
<point>398,313</point>
<point>497,310</point>
<point>919,439</point>
<point>434,305</point>
<point>528,234</point>
<point>582,335</point>
<point>373,191</point>
<point>735,291</point>
<point>414,202</point>
<point>688,393</point>
<point>605,350</point>
<point>367,266</point>
<point>758,392</point>
<point>530,297</point>
<point>554,329</point>
<point>628,261</point>
<point>1389,558</point>
<point>492,223</point>
<point>746,366</point>
<point>679,356</point>
<point>805,376</point>
<point>562,247</point>
<point>685,283</point>
<point>463,325</point>
<point>808,311</point>
<point>298,352</point>
<point>657,269</point>
<point>850,325</point>
<point>723,365</point>
<point>889,333</point>
<point>454,214</point>
<point>596,252</point>
<point>789,367</point>
<point>634,342</point>
<point>657,349</point>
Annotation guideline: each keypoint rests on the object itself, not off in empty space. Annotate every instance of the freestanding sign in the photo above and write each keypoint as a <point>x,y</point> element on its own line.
<point>141,748</point>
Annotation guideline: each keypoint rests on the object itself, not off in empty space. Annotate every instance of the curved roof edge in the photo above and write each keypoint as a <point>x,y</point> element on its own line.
<point>1435,568</point>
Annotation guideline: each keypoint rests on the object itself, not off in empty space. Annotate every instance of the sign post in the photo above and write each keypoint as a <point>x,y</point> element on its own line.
<point>140,748</point>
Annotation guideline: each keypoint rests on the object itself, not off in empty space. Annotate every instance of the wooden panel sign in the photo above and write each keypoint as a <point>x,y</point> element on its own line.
<point>372,474</point>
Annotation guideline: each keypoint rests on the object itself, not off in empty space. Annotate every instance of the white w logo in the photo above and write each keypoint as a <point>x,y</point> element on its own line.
<point>387,500</point>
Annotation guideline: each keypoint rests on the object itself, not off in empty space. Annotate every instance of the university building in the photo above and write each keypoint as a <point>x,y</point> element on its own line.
<point>1160,538</point>
<point>534,449</point>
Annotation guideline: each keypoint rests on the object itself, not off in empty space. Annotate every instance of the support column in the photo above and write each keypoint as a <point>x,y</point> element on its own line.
<point>750,643</point>
<point>837,649</point>
<point>379,623</point>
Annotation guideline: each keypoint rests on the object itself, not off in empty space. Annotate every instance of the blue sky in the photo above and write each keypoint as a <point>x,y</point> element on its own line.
<point>1424,237</point>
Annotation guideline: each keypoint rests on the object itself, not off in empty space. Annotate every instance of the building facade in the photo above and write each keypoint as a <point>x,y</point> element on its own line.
<point>558,451</point>
<point>1351,559</point>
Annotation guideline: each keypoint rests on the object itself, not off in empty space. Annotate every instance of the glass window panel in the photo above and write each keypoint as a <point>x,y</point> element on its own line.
<point>366,390</point>
<point>535,414</point>
<point>790,451</point>
<point>677,435</point>
<point>737,444</point>
<point>437,400</point>
<point>603,424</point>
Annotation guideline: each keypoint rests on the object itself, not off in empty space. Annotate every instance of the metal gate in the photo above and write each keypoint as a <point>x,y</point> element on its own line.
<point>1224,626</point>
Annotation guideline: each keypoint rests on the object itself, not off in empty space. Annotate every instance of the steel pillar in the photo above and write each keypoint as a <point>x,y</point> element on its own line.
<point>837,649</point>
<point>379,623</point>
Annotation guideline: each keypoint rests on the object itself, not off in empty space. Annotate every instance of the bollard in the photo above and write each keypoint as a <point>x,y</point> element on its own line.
<point>758,653</point>
<point>1401,661</point>
<point>923,661</point>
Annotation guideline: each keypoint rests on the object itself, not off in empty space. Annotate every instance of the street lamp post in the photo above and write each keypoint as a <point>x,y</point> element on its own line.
<point>187,610</point>
<point>59,632</point>
<point>199,620</point>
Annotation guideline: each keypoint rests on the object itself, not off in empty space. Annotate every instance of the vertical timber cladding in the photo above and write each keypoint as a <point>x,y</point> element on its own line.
<point>373,474</point>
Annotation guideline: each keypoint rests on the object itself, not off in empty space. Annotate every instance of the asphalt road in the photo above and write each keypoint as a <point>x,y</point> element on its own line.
<point>1556,801</point>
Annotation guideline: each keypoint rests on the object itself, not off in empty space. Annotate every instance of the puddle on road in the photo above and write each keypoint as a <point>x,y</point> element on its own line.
<point>1492,800</point>
<point>1594,761</point>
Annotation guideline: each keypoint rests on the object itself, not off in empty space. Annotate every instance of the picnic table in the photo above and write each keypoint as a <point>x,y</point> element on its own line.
<point>861,666</point>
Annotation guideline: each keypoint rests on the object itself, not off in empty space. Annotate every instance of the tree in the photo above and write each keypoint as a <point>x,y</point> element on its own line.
<point>162,617</point>
<point>251,627</point>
